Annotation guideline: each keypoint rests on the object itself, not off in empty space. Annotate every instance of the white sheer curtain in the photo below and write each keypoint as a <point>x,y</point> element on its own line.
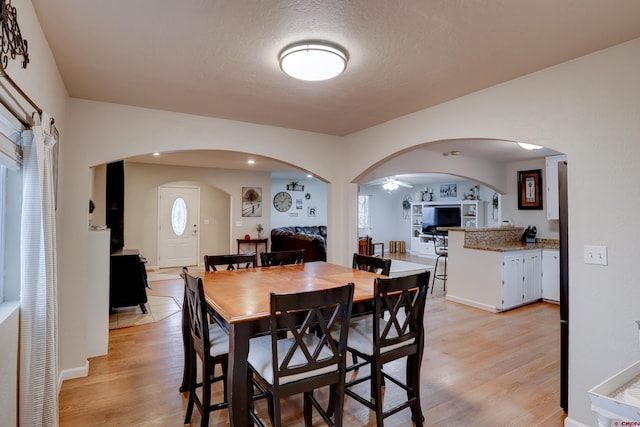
<point>39,281</point>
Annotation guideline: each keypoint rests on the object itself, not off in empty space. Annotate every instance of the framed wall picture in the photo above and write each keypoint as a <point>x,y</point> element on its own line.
<point>530,190</point>
<point>294,186</point>
<point>251,201</point>
<point>448,190</point>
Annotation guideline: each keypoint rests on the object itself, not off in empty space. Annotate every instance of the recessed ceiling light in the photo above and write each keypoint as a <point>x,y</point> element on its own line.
<point>313,60</point>
<point>156,154</point>
<point>251,161</point>
<point>529,146</point>
<point>309,176</point>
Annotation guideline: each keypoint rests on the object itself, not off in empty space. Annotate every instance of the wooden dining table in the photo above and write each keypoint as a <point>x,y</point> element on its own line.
<point>239,301</point>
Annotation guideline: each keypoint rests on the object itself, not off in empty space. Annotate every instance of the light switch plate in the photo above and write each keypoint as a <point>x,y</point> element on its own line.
<point>595,255</point>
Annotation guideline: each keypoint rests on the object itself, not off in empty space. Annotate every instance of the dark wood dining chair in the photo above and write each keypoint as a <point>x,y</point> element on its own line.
<point>210,343</point>
<point>231,261</point>
<point>373,264</point>
<point>300,355</point>
<point>282,257</point>
<point>394,330</point>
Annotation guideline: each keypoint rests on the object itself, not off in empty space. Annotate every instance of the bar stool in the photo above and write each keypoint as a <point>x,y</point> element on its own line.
<point>442,251</point>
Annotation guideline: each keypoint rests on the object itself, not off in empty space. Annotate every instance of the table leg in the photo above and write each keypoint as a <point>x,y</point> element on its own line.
<point>239,395</point>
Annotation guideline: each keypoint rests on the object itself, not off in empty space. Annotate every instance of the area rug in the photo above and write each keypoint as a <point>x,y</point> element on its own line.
<point>158,308</point>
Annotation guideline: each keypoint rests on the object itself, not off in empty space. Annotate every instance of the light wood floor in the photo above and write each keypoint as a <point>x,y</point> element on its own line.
<point>479,369</point>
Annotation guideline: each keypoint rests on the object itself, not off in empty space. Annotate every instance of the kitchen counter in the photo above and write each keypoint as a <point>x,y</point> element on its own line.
<point>476,262</point>
<point>501,239</point>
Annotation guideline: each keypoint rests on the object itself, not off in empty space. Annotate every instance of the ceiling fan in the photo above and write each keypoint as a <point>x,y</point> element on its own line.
<point>391,184</point>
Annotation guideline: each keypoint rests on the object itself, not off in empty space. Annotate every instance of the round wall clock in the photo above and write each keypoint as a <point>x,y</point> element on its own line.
<point>282,201</point>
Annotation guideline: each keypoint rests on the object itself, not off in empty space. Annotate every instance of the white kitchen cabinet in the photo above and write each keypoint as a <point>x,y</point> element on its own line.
<point>532,285</point>
<point>551,275</point>
<point>521,278</point>
<point>551,174</point>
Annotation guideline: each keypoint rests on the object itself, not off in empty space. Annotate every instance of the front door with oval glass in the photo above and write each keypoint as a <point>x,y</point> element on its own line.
<point>178,219</point>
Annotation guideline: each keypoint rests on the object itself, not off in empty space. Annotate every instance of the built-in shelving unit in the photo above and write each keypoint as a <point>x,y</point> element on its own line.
<point>471,216</point>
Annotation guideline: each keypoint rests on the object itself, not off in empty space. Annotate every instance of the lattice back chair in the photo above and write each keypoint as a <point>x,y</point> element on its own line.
<point>231,261</point>
<point>373,264</point>
<point>282,257</point>
<point>441,246</point>
<point>395,330</point>
<point>307,358</point>
<point>210,343</point>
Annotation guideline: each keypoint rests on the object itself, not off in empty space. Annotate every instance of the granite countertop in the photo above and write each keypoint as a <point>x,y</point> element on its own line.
<point>516,246</point>
<point>502,239</point>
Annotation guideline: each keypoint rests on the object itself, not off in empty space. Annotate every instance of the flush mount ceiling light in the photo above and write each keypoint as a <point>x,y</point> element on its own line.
<point>313,60</point>
<point>529,146</point>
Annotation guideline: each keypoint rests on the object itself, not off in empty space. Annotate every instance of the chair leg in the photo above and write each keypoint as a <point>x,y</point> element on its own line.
<point>274,408</point>
<point>225,369</point>
<point>445,275</point>
<point>192,385</point>
<point>331,407</point>
<point>413,382</point>
<point>206,398</point>
<point>435,274</point>
<point>307,409</point>
<point>441,276</point>
<point>376,392</point>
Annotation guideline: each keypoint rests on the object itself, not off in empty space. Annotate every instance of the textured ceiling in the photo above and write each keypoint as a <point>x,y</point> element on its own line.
<point>218,58</point>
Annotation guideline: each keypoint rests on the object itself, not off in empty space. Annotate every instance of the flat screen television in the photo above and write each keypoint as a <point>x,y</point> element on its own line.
<point>440,216</point>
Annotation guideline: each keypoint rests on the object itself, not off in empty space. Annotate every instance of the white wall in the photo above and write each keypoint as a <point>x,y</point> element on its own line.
<point>523,218</point>
<point>317,201</point>
<point>220,205</point>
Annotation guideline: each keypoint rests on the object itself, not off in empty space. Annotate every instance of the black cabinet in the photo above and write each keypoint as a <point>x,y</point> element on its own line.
<point>128,280</point>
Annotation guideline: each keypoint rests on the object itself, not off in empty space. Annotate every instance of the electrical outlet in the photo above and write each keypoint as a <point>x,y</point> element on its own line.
<point>595,255</point>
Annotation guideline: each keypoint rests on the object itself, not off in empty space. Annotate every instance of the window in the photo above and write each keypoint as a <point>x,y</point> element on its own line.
<point>179,216</point>
<point>10,212</point>
<point>364,215</point>
<point>3,204</point>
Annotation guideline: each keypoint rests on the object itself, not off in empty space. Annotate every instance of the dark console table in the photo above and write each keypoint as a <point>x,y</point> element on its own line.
<point>255,243</point>
<point>128,280</point>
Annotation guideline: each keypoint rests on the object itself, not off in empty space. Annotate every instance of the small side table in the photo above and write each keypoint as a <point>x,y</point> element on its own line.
<point>254,242</point>
<point>372,250</point>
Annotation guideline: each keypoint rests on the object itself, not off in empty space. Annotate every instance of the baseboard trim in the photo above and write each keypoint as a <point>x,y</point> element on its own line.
<point>69,374</point>
<point>568,422</point>
<point>471,303</point>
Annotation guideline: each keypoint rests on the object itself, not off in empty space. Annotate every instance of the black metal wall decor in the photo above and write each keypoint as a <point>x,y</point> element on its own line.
<point>11,42</point>
<point>12,45</point>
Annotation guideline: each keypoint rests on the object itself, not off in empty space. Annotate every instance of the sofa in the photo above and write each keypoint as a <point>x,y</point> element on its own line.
<point>313,239</point>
